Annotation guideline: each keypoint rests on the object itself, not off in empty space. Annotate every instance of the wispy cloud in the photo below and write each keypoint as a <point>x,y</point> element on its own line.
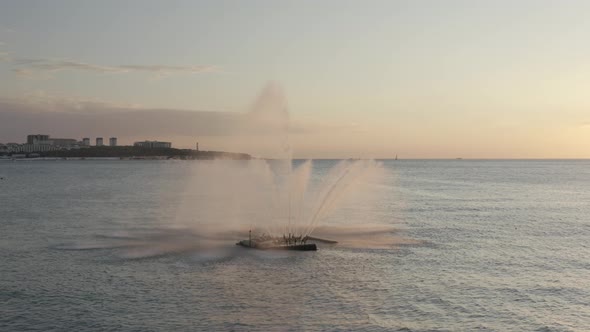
<point>30,67</point>
<point>75,115</point>
<point>83,117</point>
<point>62,102</point>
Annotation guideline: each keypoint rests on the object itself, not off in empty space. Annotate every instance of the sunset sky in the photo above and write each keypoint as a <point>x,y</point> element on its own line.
<point>371,79</point>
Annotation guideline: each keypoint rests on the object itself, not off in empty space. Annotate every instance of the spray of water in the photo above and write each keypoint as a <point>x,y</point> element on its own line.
<point>271,197</point>
<point>225,196</point>
<point>223,199</point>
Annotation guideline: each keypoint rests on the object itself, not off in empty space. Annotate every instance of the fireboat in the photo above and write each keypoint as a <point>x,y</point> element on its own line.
<point>287,242</point>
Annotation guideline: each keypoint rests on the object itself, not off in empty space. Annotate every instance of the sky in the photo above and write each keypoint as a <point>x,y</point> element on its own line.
<point>366,79</point>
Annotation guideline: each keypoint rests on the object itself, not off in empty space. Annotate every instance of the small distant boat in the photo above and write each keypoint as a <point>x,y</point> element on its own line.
<point>265,246</point>
<point>290,242</point>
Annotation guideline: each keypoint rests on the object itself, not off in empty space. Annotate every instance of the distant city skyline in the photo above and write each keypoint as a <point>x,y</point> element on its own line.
<point>42,143</point>
<point>428,79</point>
<point>43,137</point>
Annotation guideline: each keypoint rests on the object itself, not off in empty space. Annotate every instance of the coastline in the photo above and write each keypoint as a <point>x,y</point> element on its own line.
<point>129,153</point>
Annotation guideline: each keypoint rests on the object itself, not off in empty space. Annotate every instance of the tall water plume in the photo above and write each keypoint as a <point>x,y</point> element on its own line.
<point>269,196</point>
<point>221,200</point>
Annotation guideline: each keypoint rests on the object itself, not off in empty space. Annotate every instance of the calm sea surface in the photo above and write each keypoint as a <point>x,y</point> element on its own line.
<point>500,246</point>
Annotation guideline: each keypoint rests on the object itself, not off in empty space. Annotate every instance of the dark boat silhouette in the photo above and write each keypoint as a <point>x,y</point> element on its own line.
<point>272,246</point>
<point>290,242</point>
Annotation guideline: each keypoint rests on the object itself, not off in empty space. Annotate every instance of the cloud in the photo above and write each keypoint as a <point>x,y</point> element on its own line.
<point>83,118</point>
<point>51,112</point>
<point>29,67</point>
<point>78,117</point>
<point>51,102</point>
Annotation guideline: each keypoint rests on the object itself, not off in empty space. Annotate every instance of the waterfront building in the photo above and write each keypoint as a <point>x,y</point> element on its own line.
<point>33,139</point>
<point>39,139</point>
<point>99,141</point>
<point>28,148</point>
<point>113,141</point>
<point>11,147</point>
<point>153,144</point>
<point>86,141</point>
<point>61,142</point>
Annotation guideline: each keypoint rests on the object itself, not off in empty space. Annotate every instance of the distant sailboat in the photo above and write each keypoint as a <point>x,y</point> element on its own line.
<point>396,157</point>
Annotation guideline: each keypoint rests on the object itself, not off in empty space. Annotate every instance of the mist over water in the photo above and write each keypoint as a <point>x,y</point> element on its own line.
<point>274,197</point>
<point>225,196</point>
<point>222,200</point>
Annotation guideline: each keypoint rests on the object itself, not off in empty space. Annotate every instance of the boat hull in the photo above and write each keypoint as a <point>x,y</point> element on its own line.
<point>295,247</point>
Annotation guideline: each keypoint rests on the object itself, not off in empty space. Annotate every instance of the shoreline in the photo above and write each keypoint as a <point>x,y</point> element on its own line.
<point>127,153</point>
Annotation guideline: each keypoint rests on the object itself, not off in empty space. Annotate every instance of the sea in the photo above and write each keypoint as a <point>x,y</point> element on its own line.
<point>482,245</point>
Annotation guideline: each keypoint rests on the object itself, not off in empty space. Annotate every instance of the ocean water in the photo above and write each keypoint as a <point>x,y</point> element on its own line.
<point>488,245</point>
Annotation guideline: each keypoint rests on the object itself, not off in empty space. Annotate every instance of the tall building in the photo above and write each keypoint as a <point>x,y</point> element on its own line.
<point>113,141</point>
<point>99,141</point>
<point>153,144</point>
<point>86,141</point>
<point>34,139</point>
